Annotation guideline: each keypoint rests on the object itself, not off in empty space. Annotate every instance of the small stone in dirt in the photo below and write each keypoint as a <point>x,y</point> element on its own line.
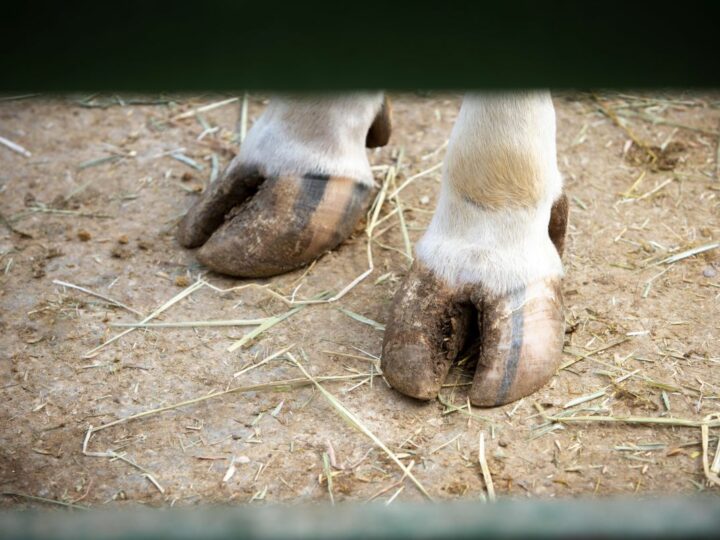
<point>709,271</point>
<point>144,245</point>
<point>53,252</point>
<point>38,268</point>
<point>182,281</point>
<point>59,202</point>
<point>186,177</point>
<point>83,235</point>
<point>121,252</point>
<point>424,199</point>
<point>123,239</point>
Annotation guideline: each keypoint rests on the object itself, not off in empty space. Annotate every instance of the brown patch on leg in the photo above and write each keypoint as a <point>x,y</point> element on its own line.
<point>522,340</point>
<point>496,178</point>
<point>288,223</point>
<point>557,228</point>
<point>381,128</point>
<point>426,331</point>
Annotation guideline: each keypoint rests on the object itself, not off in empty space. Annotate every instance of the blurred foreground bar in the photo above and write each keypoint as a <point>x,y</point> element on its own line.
<point>174,45</point>
<point>597,518</point>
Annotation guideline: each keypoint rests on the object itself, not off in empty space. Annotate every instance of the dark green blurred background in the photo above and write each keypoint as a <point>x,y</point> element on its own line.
<point>310,45</point>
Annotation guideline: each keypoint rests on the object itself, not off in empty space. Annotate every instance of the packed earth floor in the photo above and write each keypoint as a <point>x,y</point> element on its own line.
<point>91,191</point>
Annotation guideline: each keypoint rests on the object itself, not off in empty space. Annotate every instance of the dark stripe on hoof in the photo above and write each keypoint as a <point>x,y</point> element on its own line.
<point>316,176</point>
<point>356,202</point>
<point>516,342</point>
<point>312,191</point>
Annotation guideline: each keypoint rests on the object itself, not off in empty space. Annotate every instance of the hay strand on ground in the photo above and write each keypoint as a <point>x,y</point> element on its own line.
<point>362,319</point>
<point>15,147</point>
<point>690,253</point>
<point>44,500</point>
<point>485,469</point>
<point>266,325</point>
<point>204,108</point>
<point>263,362</point>
<point>357,424</point>
<point>711,473</point>
<point>107,299</point>
<point>666,421</point>
<point>194,324</point>
<point>278,386</point>
<point>175,299</point>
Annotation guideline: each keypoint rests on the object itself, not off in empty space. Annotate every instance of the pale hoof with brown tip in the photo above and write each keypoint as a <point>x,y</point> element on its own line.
<point>522,341</point>
<point>252,224</point>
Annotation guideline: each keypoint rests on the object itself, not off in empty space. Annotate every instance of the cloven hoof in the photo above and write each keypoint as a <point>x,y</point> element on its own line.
<point>521,333</point>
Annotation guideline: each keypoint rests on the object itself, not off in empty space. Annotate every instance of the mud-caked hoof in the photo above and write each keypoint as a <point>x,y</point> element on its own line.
<point>287,223</point>
<point>522,341</point>
<point>426,331</point>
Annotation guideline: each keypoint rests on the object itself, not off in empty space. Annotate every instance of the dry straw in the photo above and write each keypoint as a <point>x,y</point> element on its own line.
<point>357,424</point>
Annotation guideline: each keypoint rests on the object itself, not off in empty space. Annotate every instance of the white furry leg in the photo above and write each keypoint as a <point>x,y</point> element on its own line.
<point>500,249</point>
<point>500,180</point>
<point>322,134</point>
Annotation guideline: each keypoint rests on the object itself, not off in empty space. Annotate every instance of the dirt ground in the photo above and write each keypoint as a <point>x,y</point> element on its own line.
<point>96,205</point>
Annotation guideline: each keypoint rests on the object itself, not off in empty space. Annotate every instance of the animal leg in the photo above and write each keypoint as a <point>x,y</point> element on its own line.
<point>491,255</point>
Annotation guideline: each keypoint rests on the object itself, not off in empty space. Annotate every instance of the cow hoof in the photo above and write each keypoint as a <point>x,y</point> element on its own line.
<point>521,332</point>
